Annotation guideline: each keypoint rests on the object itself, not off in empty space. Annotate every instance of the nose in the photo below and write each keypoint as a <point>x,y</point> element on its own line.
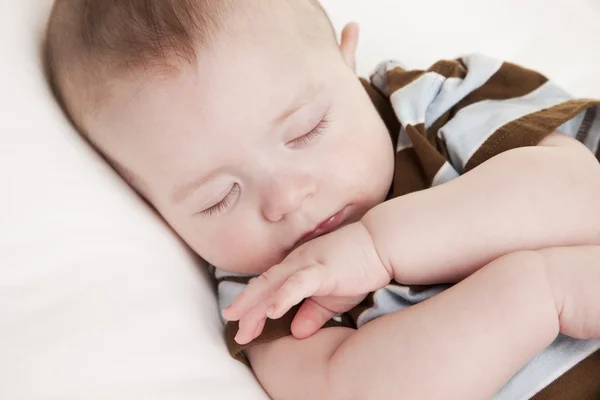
<point>284,194</point>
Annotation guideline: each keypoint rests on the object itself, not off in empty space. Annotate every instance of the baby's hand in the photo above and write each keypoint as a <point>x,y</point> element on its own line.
<point>334,272</point>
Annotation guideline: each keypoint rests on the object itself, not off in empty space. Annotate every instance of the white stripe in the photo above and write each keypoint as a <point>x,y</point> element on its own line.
<point>411,102</point>
<point>394,298</point>
<point>480,69</point>
<point>551,363</point>
<point>228,291</point>
<point>447,98</point>
<point>445,174</point>
<point>571,127</point>
<point>473,125</point>
<point>404,141</point>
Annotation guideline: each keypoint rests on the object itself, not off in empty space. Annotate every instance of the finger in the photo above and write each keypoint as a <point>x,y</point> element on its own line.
<point>251,325</point>
<point>258,290</point>
<point>309,319</point>
<point>260,327</point>
<point>301,285</point>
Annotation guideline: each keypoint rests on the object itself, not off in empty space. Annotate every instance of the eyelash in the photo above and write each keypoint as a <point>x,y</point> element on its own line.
<point>314,133</point>
<point>223,204</point>
<point>303,140</point>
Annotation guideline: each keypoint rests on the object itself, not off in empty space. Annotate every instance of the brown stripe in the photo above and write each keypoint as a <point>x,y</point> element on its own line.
<point>581,382</point>
<point>586,125</point>
<point>399,78</point>
<point>449,69</point>
<point>432,133</point>
<point>235,279</point>
<point>430,159</point>
<point>408,176</point>
<point>508,82</point>
<point>385,110</point>
<point>528,130</point>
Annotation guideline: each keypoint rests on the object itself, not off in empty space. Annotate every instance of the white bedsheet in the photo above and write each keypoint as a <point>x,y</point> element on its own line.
<point>98,299</point>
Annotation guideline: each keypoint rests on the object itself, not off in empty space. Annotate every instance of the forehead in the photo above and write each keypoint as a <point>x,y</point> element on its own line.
<point>235,89</point>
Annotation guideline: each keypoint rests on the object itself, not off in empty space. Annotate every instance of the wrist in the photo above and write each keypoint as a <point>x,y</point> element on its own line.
<point>369,223</point>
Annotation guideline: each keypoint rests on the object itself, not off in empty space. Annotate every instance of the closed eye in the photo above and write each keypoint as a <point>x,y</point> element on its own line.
<point>317,131</point>
<point>224,204</point>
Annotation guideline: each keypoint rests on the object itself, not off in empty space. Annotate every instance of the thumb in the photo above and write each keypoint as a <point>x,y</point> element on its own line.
<point>310,318</point>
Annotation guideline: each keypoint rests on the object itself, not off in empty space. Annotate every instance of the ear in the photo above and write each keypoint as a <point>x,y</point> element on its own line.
<point>349,43</point>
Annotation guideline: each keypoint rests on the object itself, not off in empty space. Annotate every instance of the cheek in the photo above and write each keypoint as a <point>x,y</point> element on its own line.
<point>363,137</point>
<point>367,157</point>
<point>234,245</point>
<point>366,147</point>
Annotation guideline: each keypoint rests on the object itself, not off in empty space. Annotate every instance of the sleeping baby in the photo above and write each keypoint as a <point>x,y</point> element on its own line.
<point>421,234</point>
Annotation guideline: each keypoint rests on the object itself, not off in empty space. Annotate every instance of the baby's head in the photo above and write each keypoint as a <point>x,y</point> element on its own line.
<point>241,122</point>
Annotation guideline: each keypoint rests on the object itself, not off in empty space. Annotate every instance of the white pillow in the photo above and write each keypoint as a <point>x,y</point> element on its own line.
<point>98,299</point>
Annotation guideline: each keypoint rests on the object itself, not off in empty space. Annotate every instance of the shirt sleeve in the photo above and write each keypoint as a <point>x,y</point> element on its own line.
<point>459,113</point>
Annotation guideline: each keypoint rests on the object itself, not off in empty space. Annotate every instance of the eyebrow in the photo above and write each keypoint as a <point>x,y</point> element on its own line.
<point>185,191</point>
<point>306,96</point>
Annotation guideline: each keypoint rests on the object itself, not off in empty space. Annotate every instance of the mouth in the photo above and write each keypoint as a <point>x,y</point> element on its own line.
<point>326,226</point>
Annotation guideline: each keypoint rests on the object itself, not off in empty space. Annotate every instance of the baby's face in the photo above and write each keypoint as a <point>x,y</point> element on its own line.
<point>252,148</point>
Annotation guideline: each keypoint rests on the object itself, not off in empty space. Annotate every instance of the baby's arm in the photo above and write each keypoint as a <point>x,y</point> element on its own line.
<point>464,343</point>
<point>523,199</point>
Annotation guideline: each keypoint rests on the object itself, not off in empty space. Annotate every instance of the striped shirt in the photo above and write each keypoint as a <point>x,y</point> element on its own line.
<point>445,121</point>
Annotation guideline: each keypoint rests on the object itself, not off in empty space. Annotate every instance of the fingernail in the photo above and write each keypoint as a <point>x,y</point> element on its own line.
<point>309,323</point>
<point>271,310</point>
<point>237,338</point>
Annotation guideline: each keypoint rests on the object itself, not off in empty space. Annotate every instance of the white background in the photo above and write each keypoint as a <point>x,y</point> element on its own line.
<point>98,299</point>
